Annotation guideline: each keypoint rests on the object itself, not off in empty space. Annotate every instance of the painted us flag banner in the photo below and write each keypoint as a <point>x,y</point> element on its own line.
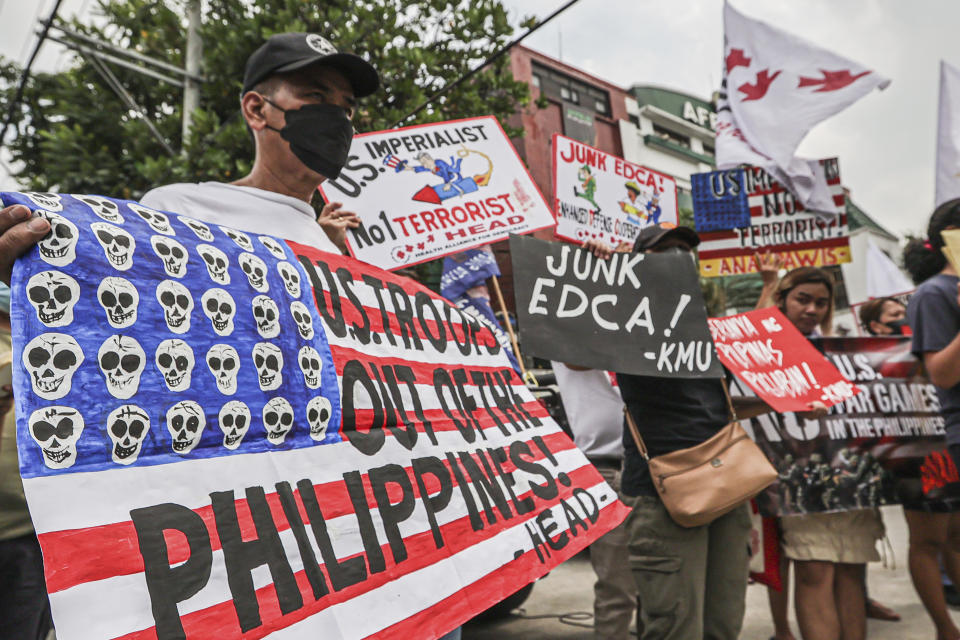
<point>223,436</point>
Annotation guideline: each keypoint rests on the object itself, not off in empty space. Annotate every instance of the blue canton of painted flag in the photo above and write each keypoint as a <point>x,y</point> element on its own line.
<point>170,340</point>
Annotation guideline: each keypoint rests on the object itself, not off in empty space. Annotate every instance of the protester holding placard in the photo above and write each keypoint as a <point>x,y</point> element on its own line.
<point>934,317</point>
<point>298,96</point>
<point>829,549</point>
<point>691,580</point>
<point>353,328</point>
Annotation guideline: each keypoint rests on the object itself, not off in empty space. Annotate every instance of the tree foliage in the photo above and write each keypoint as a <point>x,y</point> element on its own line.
<point>74,134</point>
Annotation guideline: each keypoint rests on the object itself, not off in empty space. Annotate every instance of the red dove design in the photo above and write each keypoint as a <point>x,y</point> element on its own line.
<point>759,89</point>
<point>831,80</point>
<point>736,58</point>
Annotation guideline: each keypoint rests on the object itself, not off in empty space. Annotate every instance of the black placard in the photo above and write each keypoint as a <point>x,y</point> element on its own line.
<point>634,313</point>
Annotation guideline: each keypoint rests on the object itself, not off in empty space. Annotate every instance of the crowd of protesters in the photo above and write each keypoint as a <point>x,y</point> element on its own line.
<point>676,582</point>
<point>691,581</point>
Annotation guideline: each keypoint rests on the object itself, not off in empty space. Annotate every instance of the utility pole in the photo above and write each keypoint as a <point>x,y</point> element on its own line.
<point>191,88</point>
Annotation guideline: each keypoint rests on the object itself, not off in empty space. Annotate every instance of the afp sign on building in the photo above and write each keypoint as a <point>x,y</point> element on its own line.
<point>700,115</point>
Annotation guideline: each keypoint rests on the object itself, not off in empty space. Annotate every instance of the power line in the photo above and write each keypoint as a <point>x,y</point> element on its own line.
<point>102,48</point>
<point>26,72</point>
<point>26,41</point>
<point>114,59</point>
<point>492,58</point>
<point>125,96</point>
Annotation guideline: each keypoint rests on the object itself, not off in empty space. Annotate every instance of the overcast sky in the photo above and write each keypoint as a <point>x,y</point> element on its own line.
<point>18,23</point>
<point>885,142</point>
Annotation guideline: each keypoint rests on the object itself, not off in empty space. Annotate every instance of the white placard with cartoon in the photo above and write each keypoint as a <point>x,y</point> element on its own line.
<point>425,191</point>
<point>599,196</point>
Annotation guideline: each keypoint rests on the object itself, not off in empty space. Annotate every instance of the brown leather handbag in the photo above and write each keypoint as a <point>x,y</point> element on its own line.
<point>701,483</point>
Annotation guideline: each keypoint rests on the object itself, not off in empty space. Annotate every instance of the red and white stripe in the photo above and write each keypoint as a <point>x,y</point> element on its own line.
<point>95,571</point>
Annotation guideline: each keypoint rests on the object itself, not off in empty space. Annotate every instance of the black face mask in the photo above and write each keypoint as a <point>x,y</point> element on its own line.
<point>896,326</point>
<point>319,135</point>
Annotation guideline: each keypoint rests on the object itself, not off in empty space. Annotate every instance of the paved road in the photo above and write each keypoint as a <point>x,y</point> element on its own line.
<point>569,589</point>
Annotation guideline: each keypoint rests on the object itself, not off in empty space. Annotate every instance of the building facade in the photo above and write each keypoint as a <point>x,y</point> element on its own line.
<point>567,101</point>
<point>669,131</point>
<point>564,100</point>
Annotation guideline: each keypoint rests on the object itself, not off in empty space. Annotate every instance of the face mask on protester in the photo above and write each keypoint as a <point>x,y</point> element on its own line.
<point>319,135</point>
<point>680,251</point>
<point>898,327</point>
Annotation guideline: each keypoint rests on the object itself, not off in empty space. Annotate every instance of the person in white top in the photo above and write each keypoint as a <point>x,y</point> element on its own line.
<point>298,97</point>
<point>253,210</point>
<point>595,412</point>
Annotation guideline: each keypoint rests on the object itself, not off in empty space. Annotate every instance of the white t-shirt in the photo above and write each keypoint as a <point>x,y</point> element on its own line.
<point>244,208</point>
<point>594,409</point>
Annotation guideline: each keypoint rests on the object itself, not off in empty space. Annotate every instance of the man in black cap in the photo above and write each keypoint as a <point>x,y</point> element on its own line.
<point>299,94</point>
<point>691,581</point>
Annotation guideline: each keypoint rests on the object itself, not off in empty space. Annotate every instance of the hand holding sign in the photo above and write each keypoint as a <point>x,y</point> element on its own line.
<point>335,222</point>
<point>632,313</point>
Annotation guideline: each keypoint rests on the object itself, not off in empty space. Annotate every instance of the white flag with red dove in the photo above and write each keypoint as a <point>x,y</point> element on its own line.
<point>776,88</point>
<point>948,135</point>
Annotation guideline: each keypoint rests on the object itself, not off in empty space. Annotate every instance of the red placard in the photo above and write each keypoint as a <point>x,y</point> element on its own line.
<point>764,350</point>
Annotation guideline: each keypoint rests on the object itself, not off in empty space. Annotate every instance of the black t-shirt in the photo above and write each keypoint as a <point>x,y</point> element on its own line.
<point>671,414</point>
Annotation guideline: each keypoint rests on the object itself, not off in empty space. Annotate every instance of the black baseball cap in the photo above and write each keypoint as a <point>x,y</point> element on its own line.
<point>285,52</point>
<point>653,234</point>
